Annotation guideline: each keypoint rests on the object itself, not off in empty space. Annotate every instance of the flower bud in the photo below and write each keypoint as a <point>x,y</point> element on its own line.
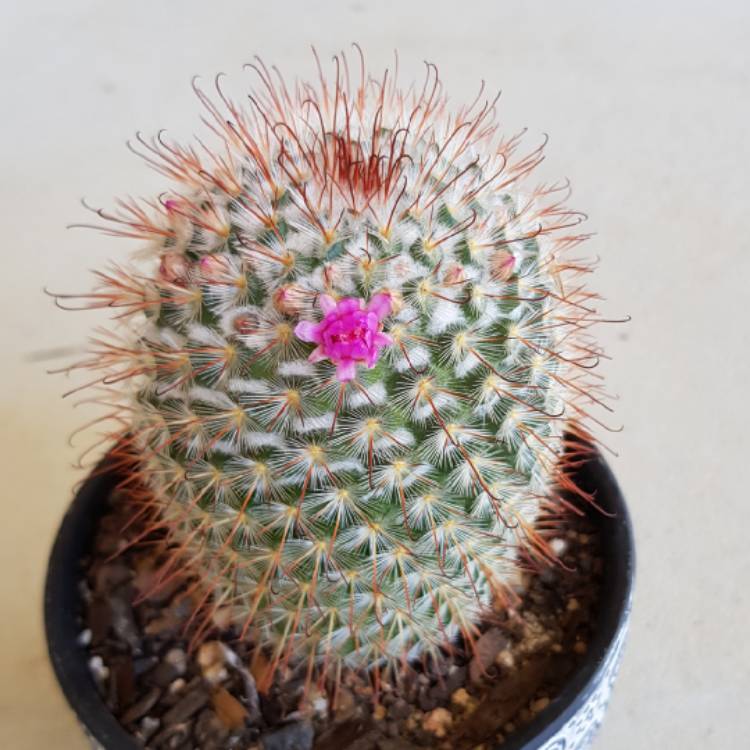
<point>174,268</point>
<point>502,265</point>
<point>454,275</point>
<point>289,299</point>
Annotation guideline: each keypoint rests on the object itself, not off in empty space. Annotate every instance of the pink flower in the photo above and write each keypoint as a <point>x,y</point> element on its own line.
<point>349,333</point>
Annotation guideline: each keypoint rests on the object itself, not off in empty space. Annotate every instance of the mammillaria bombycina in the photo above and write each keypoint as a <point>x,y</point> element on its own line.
<point>358,371</point>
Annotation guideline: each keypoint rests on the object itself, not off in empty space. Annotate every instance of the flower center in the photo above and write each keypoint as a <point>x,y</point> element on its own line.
<point>348,337</point>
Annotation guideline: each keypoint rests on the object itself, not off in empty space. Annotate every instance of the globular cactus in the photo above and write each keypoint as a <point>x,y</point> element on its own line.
<point>353,368</point>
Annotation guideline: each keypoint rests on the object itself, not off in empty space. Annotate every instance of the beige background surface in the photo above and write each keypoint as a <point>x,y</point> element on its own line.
<point>648,110</point>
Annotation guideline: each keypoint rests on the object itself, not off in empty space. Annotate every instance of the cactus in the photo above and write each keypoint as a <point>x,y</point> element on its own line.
<point>354,366</point>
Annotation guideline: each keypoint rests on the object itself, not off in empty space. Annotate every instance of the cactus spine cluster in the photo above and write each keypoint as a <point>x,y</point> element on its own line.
<point>351,368</point>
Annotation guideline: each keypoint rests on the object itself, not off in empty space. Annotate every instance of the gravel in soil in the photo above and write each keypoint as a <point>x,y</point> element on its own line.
<point>217,695</point>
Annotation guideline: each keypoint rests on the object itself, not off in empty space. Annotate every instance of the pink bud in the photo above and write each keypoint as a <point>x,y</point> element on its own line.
<point>174,268</point>
<point>454,274</point>
<point>290,299</point>
<point>212,267</point>
<point>502,264</point>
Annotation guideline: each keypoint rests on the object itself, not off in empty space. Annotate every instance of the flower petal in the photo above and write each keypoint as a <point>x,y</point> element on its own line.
<point>346,370</point>
<point>349,305</point>
<point>317,354</point>
<point>381,305</point>
<point>307,331</point>
<point>327,303</point>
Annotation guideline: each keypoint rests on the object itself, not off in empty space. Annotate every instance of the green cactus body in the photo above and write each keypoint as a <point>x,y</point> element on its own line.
<point>360,520</point>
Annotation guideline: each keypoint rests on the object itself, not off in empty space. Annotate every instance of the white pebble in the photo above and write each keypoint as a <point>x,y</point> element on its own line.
<point>98,669</point>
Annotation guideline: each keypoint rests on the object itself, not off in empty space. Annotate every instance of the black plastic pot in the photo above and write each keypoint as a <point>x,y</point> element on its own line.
<point>568,723</point>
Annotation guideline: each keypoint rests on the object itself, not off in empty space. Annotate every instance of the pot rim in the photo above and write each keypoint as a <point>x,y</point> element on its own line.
<point>618,551</point>
<point>73,542</point>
